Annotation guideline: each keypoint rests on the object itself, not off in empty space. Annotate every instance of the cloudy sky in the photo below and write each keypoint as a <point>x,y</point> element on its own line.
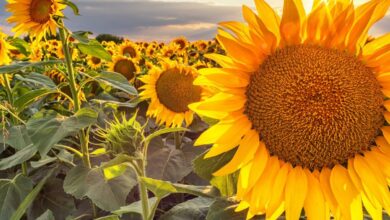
<point>163,19</point>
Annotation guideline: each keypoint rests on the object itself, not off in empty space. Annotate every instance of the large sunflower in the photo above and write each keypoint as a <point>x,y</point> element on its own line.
<point>170,90</point>
<point>35,17</point>
<point>4,50</point>
<point>303,98</point>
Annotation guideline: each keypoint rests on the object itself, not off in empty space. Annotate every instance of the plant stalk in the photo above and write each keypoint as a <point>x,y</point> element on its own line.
<point>10,97</point>
<point>72,84</point>
<point>177,138</point>
<point>143,191</point>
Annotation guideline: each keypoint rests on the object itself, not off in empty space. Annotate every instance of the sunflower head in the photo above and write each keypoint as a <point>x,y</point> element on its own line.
<point>303,98</point>
<point>35,17</point>
<point>170,90</point>
<point>182,42</point>
<point>94,62</point>
<point>124,65</point>
<point>129,49</point>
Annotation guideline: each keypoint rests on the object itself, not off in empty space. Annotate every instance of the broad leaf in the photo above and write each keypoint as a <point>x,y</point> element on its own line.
<point>94,48</point>
<point>16,137</point>
<point>19,157</point>
<point>12,193</point>
<point>225,184</point>
<point>135,207</point>
<point>23,65</point>
<point>71,5</point>
<point>18,214</point>
<point>108,195</point>
<point>109,217</point>
<point>32,96</point>
<point>81,36</point>
<point>48,215</point>
<point>166,162</point>
<point>38,79</point>
<point>206,167</point>
<point>21,45</point>
<point>163,188</point>
<point>222,209</point>
<point>48,129</point>
<point>194,209</point>
<point>116,80</point>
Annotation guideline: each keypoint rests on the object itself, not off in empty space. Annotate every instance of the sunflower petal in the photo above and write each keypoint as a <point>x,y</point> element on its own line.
<point>295,192</point>
<point>292,20</point>
<point>315,205</point>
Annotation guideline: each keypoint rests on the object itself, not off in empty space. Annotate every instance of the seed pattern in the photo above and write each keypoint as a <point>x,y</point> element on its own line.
<point>314,106</point>
<point>126,68</point>
<point>176,91</point>
<point>40,10</point>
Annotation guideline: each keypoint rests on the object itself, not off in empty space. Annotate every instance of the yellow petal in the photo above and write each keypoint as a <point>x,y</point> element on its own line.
<point>347,197</point>
<point>326,189</point>
<point>295,193</point>
<point>315,205</point>
<point>277,191</point>
<point>377,44</point>
<point>268,16</point>
<point>244,154</point>
<point>292,20</point>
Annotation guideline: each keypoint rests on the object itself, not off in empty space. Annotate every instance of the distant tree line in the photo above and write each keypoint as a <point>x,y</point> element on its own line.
<point>109,37</point>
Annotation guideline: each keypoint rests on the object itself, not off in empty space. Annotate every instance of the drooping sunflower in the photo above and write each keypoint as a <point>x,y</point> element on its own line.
<point>35,17</point>
<point>126,66</point>
<point>170,90</point>
<point>303,100</point>
<point>130,49</point>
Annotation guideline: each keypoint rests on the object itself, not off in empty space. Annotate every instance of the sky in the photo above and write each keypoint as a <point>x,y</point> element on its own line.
<point>163,20</point>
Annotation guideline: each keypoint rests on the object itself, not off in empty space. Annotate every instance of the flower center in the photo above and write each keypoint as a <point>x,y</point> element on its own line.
<point>95,60</point>
<point>314,107</point>
<point>126,68</point>
<point>129,51</point>
<point>176,91</point>
<point>40,10</point>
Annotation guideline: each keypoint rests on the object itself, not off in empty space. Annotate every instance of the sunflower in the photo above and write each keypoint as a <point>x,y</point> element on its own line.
<point>302,99</point>
<point>36,52</point>
<point>4,50</point>
<point>124,65</point>
<point>201,45</point>
<point>61,55</point>
<point>36,17</point>
<point>94,62</point>
<point>129,49</point>
<point>170,90</point>
<point>182,42</point>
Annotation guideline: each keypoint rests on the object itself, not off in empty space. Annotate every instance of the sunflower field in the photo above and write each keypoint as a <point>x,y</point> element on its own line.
<point>284,116</point>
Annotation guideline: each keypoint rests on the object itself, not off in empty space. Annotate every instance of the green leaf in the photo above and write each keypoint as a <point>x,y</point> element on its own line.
<point>225,184</point>
<point>117,81</point>
<point>109,217</point>
<point>38,79</point>
<point>163,162</point>
<point>21,45</point>
<point>32,96</point>
<point>16,137</point>
<point>12,193</point>
<point>194,209</point>
<point>74,182</point>
<point>47,128</point>
<point>206,167</point>
<point>18,214</point>
<point>19,157</point>
<point>72,5</point>
<point>23,65</point>
<point>163,188</point>
<point>108,195</point>
<point>42,162</point>
<point>222,209</point>
<point>135,207</point>
<point>94,48</point>
<point>81,36</point>
<point>163,131</point>
<point>48,215</point>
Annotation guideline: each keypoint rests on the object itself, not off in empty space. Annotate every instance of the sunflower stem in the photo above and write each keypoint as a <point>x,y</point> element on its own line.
<point>177,137</point>
<point>143,191</point>
<point>8,91</point>
<point>76,102</point>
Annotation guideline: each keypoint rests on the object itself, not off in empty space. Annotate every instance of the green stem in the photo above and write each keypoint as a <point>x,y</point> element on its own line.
<point>143,191</point>
<point>154,208</point>
<point>72,85</point>
<point>10,97</point>
<point>177,139</point>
